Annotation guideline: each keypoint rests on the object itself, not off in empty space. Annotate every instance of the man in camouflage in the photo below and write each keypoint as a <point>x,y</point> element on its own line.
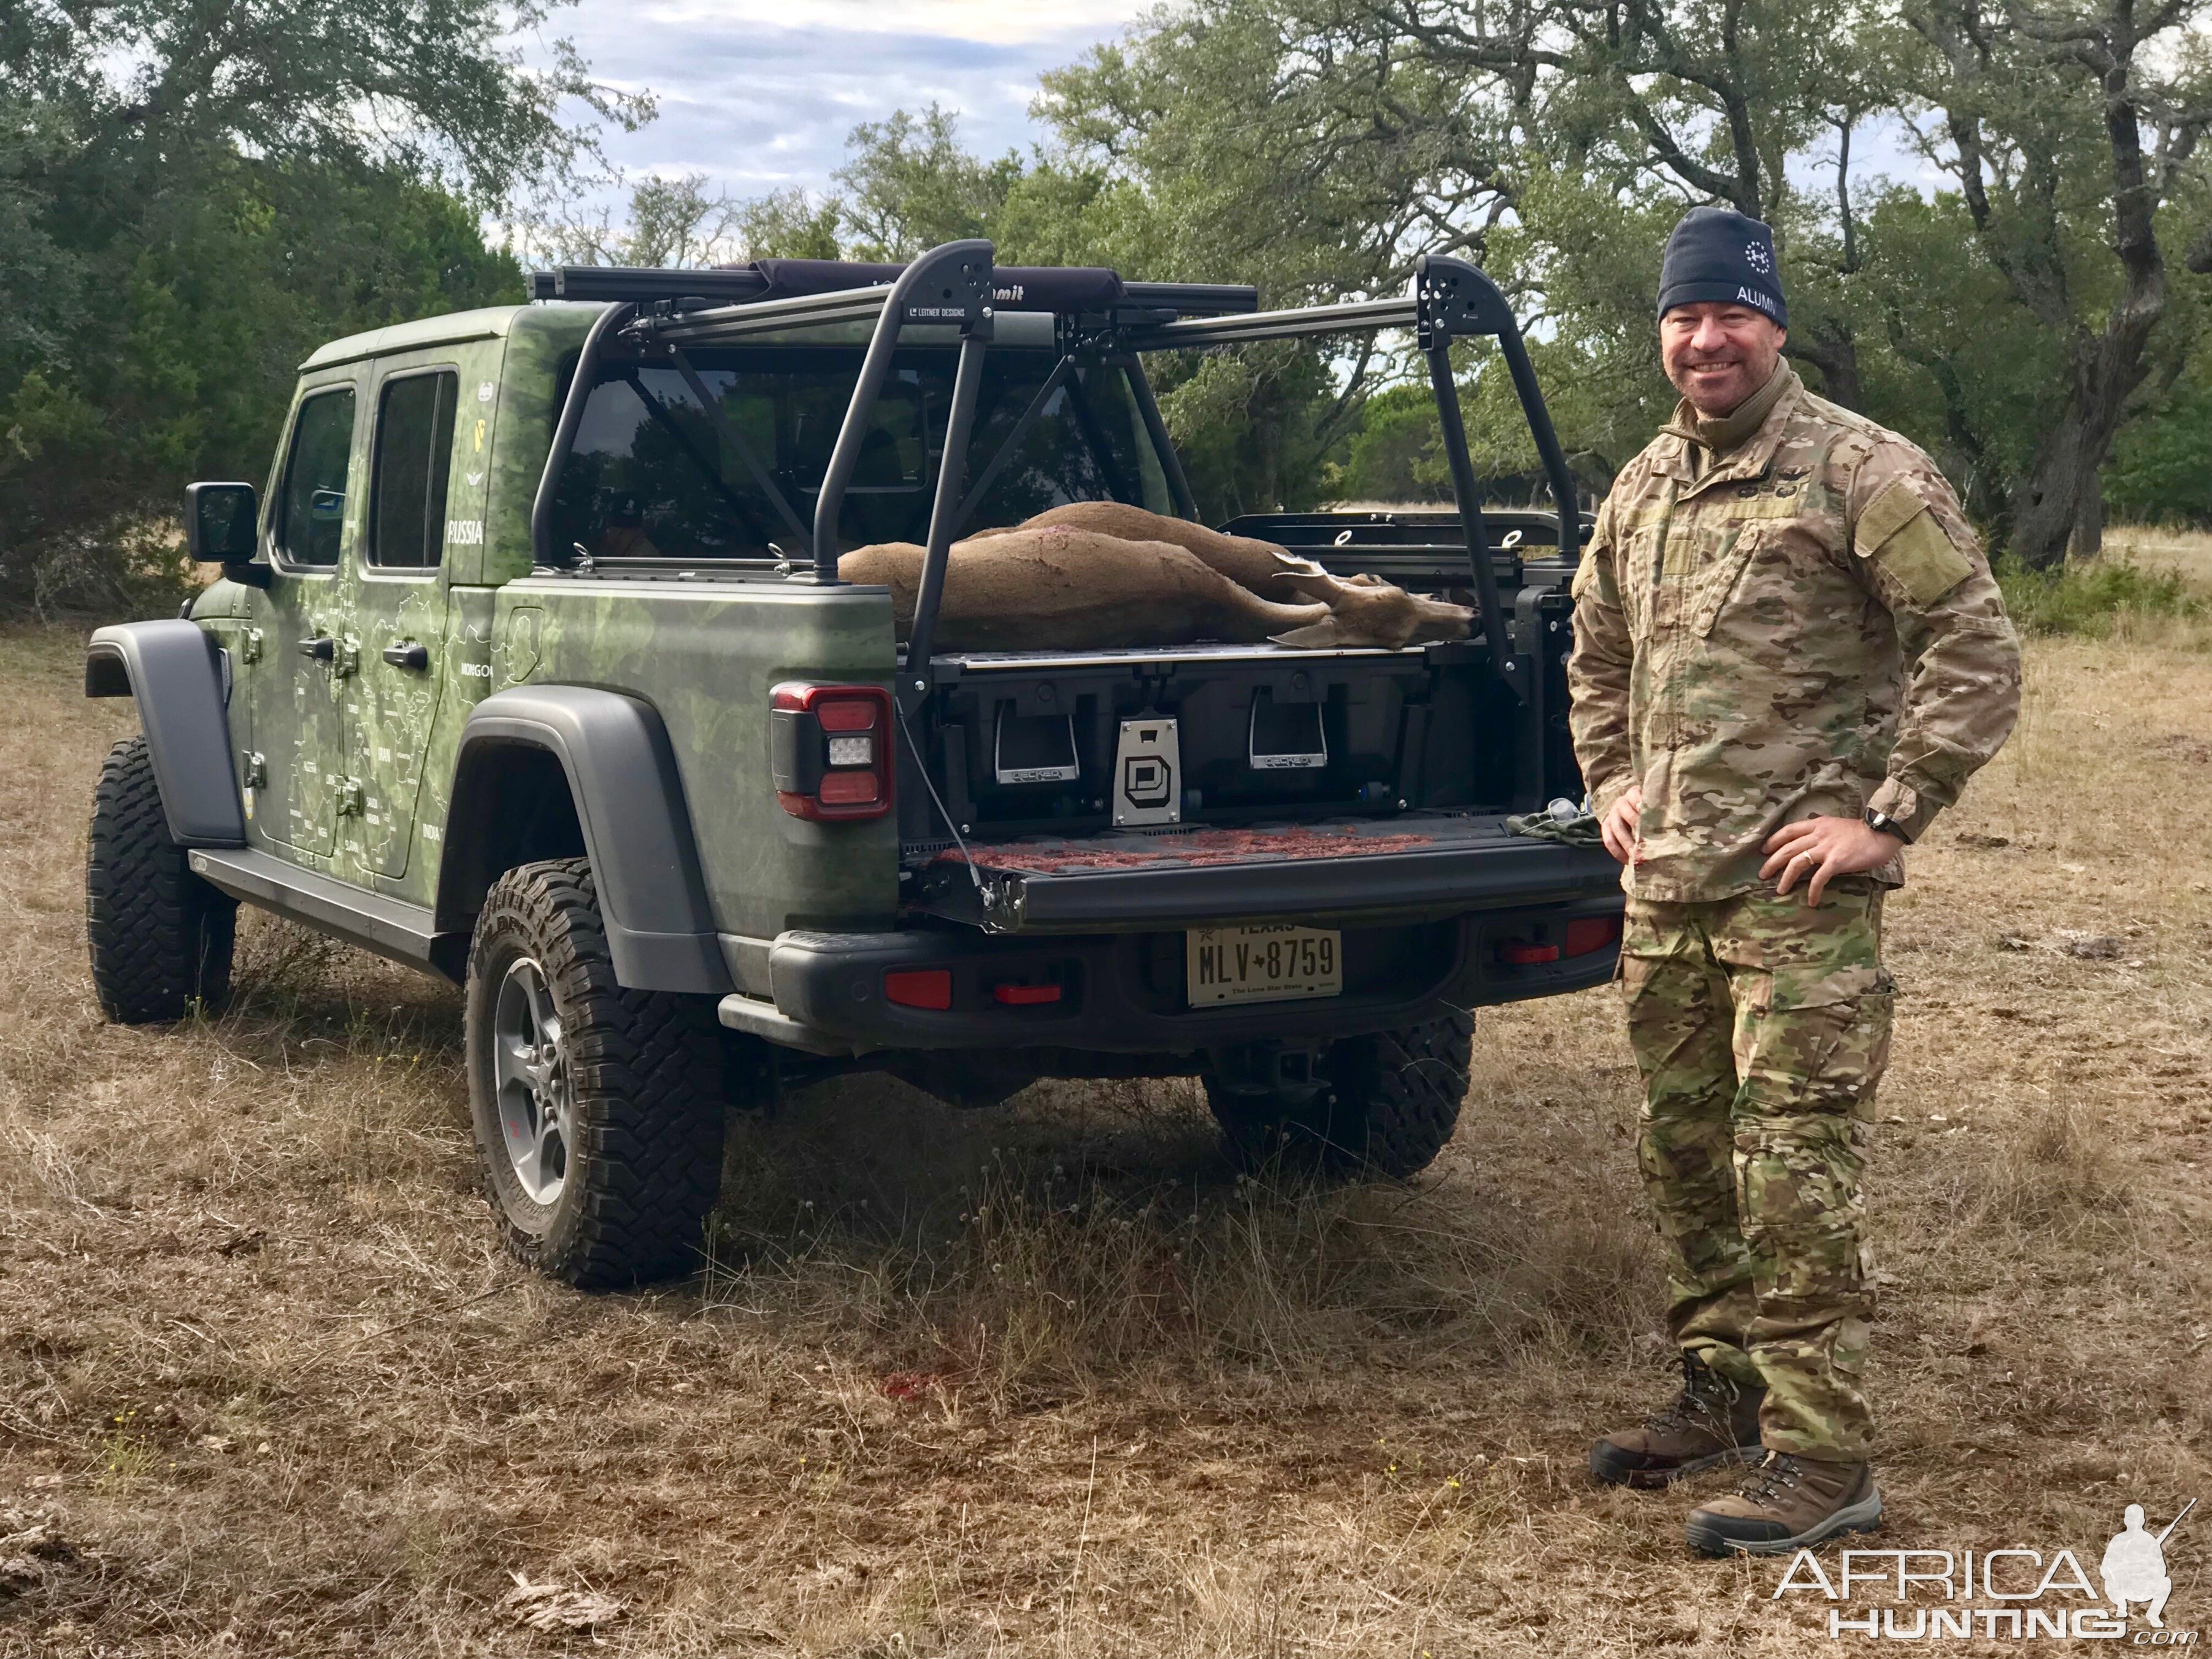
<point>1789,656</point>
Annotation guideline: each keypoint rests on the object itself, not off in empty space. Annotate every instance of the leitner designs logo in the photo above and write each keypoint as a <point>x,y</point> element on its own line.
<point>2008,1592</point>
<point>1147,781</point>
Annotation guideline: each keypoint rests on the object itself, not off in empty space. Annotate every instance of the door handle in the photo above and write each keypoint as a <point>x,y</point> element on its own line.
<point>407,654</point>
<point>321,648</point>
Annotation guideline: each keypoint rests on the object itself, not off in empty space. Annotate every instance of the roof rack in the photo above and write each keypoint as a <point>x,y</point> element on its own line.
<point>1069,289</point>
<point>961,284</point>
<point>645,285</point>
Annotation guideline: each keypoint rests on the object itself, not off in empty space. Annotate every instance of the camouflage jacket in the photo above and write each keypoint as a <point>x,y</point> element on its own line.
<point>1804,625</point>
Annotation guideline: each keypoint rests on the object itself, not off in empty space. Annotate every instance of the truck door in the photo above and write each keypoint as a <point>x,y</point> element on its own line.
<point>397,616</point>
<point>298,666</point>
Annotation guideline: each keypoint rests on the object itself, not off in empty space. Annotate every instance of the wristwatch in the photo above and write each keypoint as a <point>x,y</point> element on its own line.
<point>1888,825</point>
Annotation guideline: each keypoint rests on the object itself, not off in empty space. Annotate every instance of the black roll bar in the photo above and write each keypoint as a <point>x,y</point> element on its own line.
<point>1468,495</point>
<point>1457,301</point>
<point>1448,297</point>
<point>944,512</point>
<point>1556,471</point>
<point>1447,300</point>
<point>1454,301</point>
<point>948,284</point>
<point>1444,298</point>
<point>1148,411</point>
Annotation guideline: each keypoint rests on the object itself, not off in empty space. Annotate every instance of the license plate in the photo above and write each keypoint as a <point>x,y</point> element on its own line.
<point>1262,964</point>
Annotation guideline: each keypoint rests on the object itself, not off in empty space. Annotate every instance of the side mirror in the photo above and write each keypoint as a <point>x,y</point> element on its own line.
<point>220,522</point>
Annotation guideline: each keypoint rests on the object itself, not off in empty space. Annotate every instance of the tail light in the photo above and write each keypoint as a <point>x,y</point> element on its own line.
<point>1585,935</point>
<point>829,748</point>
<point>1520,953</point>
<point>919,987</point>
<point>1592,934</point>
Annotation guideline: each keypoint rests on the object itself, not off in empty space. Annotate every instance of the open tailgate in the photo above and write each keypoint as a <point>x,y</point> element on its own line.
<point>1417,864</point>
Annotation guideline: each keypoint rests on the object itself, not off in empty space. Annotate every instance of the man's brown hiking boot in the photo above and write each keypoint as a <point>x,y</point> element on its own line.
<point>1788,1502</point>
<point>1713,1421</point>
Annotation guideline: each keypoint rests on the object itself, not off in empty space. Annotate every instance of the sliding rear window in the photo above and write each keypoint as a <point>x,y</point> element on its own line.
<point>657,473</point>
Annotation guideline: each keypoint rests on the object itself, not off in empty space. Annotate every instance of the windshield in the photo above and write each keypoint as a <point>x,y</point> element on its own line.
<point>655,475</point>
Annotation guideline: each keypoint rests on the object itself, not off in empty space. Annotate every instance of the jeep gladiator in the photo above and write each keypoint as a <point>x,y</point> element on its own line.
<point>530,667</point>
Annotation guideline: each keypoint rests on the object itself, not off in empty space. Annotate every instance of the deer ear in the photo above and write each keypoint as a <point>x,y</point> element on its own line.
<point>1328,631</point>
<point>1317,584</point>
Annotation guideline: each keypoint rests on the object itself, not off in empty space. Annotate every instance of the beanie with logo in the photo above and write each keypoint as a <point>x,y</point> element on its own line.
<point>1719,255</point>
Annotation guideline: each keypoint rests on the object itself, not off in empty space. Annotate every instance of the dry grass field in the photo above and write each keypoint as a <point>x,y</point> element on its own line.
<point>1049,1380</point>
<point>2186,553</point>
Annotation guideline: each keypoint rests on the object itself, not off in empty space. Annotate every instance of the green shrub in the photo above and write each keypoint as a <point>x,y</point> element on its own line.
<point>2161,471</point>
<point>1397,455</point>
<point>2086,596</point>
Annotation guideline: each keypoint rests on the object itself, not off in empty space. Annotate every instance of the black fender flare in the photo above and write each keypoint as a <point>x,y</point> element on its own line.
<point>637,826</point>
<point>175,671</point>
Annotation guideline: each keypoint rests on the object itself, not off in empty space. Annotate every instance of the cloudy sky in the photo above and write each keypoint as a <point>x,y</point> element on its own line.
<point>759,94</point>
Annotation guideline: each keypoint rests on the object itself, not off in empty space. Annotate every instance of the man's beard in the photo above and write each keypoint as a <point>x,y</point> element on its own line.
<point>1687,376</point>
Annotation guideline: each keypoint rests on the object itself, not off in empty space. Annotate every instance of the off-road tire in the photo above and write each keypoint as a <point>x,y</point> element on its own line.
<point>160,938</point>
<point>1387,1107</point>
<point>645,1071</point>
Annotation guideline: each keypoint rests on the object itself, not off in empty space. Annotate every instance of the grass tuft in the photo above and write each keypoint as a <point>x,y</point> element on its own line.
<point>2091,597</point>
<point>2049,1172</point>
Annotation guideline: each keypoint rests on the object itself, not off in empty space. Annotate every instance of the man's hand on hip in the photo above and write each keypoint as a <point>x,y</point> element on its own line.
<point>1618,826</point>
<point>1822,848</point>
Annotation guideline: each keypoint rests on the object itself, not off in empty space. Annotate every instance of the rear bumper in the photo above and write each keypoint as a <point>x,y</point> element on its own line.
<point>1124,994</point>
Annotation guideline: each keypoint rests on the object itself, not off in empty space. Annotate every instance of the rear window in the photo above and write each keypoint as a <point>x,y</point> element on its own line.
<point>414,454</point>
<point>654,474</point>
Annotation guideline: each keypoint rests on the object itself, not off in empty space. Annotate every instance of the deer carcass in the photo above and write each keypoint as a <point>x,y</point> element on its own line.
<point>1364,610</point>
<point>1060,589</point>
<point>1254,564</point>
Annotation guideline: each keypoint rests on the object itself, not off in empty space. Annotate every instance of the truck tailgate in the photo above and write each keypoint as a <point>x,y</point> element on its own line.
<point>1417,864</point>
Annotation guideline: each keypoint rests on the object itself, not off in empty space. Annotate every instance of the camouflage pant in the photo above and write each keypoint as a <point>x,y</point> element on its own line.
<point>1761,1029</point>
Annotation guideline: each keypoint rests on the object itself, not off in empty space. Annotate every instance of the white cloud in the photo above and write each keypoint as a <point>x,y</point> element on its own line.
<point>988,20</point>
<point>759,94</point>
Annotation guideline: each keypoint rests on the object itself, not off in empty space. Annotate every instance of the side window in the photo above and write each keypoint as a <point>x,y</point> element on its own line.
<point>413,453</point>
<point>312,515</point>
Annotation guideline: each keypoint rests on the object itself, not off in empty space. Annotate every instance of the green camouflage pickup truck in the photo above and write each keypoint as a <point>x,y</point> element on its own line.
<point>531,667</point>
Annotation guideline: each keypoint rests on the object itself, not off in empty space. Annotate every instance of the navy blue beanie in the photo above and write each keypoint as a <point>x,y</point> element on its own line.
<point>1717,254</point>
